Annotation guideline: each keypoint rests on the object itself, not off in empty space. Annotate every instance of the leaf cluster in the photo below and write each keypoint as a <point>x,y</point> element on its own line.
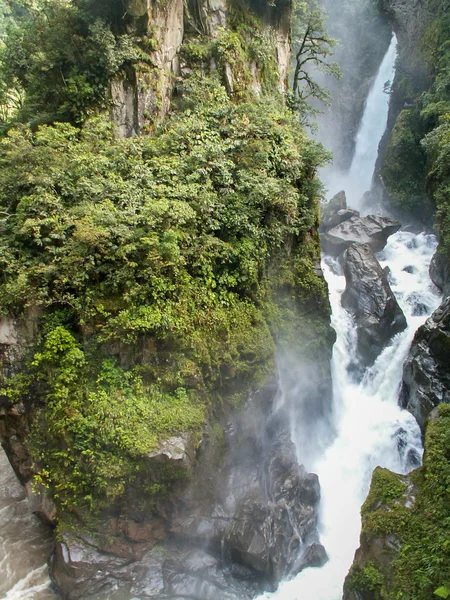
<point>160,252</point>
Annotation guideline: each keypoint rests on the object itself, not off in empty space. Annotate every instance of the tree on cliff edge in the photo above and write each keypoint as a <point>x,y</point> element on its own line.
<point>312,47</point>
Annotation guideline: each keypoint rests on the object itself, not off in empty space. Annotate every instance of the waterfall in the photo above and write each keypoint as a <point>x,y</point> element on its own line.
<point>358,179</point>
<point>368,428</point>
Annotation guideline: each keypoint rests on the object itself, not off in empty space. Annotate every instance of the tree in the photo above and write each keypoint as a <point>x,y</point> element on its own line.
<point>312,47</point>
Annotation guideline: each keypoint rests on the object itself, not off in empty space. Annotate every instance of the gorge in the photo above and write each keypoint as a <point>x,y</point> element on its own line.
<point>166,336</point>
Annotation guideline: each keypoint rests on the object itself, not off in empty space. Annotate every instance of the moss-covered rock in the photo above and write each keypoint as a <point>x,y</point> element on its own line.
<point>405,550</point>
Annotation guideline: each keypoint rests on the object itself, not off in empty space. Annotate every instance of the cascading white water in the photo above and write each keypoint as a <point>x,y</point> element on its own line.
<point>359,177</point>
<point>370,428</point>
<point>367,426</point>
<point>24,543</point>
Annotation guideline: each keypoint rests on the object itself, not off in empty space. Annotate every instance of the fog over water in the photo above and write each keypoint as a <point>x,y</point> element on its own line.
<point>367,428</point>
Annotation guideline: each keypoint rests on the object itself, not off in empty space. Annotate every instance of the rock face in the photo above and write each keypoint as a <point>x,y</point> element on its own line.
<point>370,300</point>
<point>440,272</point>
<point>142,97</point>
<point>426,373</point>
<point>247,519</point>
<point>335,212</point>
<point>261,509</point>
<point>371,230</point>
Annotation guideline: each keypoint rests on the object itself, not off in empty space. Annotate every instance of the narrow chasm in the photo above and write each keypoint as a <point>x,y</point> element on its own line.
<point>224,314</point>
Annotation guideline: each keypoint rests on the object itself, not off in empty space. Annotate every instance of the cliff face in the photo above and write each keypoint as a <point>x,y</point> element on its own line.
<point>182,259</point>
<point>142,98</point>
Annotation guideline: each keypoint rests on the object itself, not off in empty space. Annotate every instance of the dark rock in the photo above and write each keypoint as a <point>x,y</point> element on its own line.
<point>440,272</point>
<point>370,300</point>
<point>426,373</point>
<point>265,507</point>
<point>40,504</point>
<point>335,212</point>
<point>372,230</point>
<point>313,556</point>
<point>81,571</point>
<point>196,574</point>
<point>409,269</point>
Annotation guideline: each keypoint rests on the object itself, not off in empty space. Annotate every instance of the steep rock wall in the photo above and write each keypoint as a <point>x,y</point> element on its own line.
<point>142,97</point>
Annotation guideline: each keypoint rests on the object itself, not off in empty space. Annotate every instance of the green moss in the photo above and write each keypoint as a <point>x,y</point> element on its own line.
<point>421,565</point>
<point>369,579</point>
<point>386,489</point>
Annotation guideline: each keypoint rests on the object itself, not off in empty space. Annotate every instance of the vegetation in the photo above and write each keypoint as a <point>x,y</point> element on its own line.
<point>416,562</point>
<point>160,270</point>
<point>415,164</point>
<point>312,47</point>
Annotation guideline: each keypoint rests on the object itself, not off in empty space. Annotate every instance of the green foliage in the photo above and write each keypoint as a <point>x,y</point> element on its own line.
<point>386,489</point>
<point>404,162</point>
<point>98,422</point>
<point>163,252</point>
<point>59,59</point>
<point>415,164</point>
<point>367,579</point>
<point>421,568</point>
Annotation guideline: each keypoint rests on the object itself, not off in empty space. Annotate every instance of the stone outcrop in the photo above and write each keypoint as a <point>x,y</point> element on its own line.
<point>141,98</point>
<point>371,230</point>
<point>247,519</point>
<point>371,565</point>
<point>262,509</point>
<point>426,373</point>
<point>335,212</point>
<point>144,97</point>
<point>440,272</point>
<point>370,300</point>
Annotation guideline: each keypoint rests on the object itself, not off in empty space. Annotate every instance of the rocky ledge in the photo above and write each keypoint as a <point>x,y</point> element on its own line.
<point>426,374</point>
<point>247,519</point>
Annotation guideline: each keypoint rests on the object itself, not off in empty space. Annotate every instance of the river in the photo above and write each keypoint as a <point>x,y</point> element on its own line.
<point>366,427</point>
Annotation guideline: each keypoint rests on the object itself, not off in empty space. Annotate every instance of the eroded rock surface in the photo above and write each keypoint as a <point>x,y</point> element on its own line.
<point>426,372</point>
<point>336,212</point>
<point>247,519</point>
<point>372,230</point>
<point>369,298</point>
<point>261,508</point>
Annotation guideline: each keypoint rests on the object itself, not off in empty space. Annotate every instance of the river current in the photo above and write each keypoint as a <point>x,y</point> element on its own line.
<point>366,427</point>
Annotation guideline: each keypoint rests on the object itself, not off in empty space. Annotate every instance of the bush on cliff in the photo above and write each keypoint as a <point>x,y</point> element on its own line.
<point>166,253</point>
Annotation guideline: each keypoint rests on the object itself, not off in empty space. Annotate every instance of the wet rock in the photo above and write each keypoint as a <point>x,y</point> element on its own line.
<point>370,300</point>
<point>40,504</point>
<point>335,212</point>
<point>426,373</point>
<point>314,556</point>
<point>196,574</point>
<point>440,272</point>
<point>80,571</point>
<point>371,230</point>
<point>265,507</point>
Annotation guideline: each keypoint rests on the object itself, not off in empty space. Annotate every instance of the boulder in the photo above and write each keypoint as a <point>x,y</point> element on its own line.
<point>371,230</point>
<point>335,212</point>
<point>260,508</point>
<point>370,300</point>
<point>440,272</point>
<point>426,373</point>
